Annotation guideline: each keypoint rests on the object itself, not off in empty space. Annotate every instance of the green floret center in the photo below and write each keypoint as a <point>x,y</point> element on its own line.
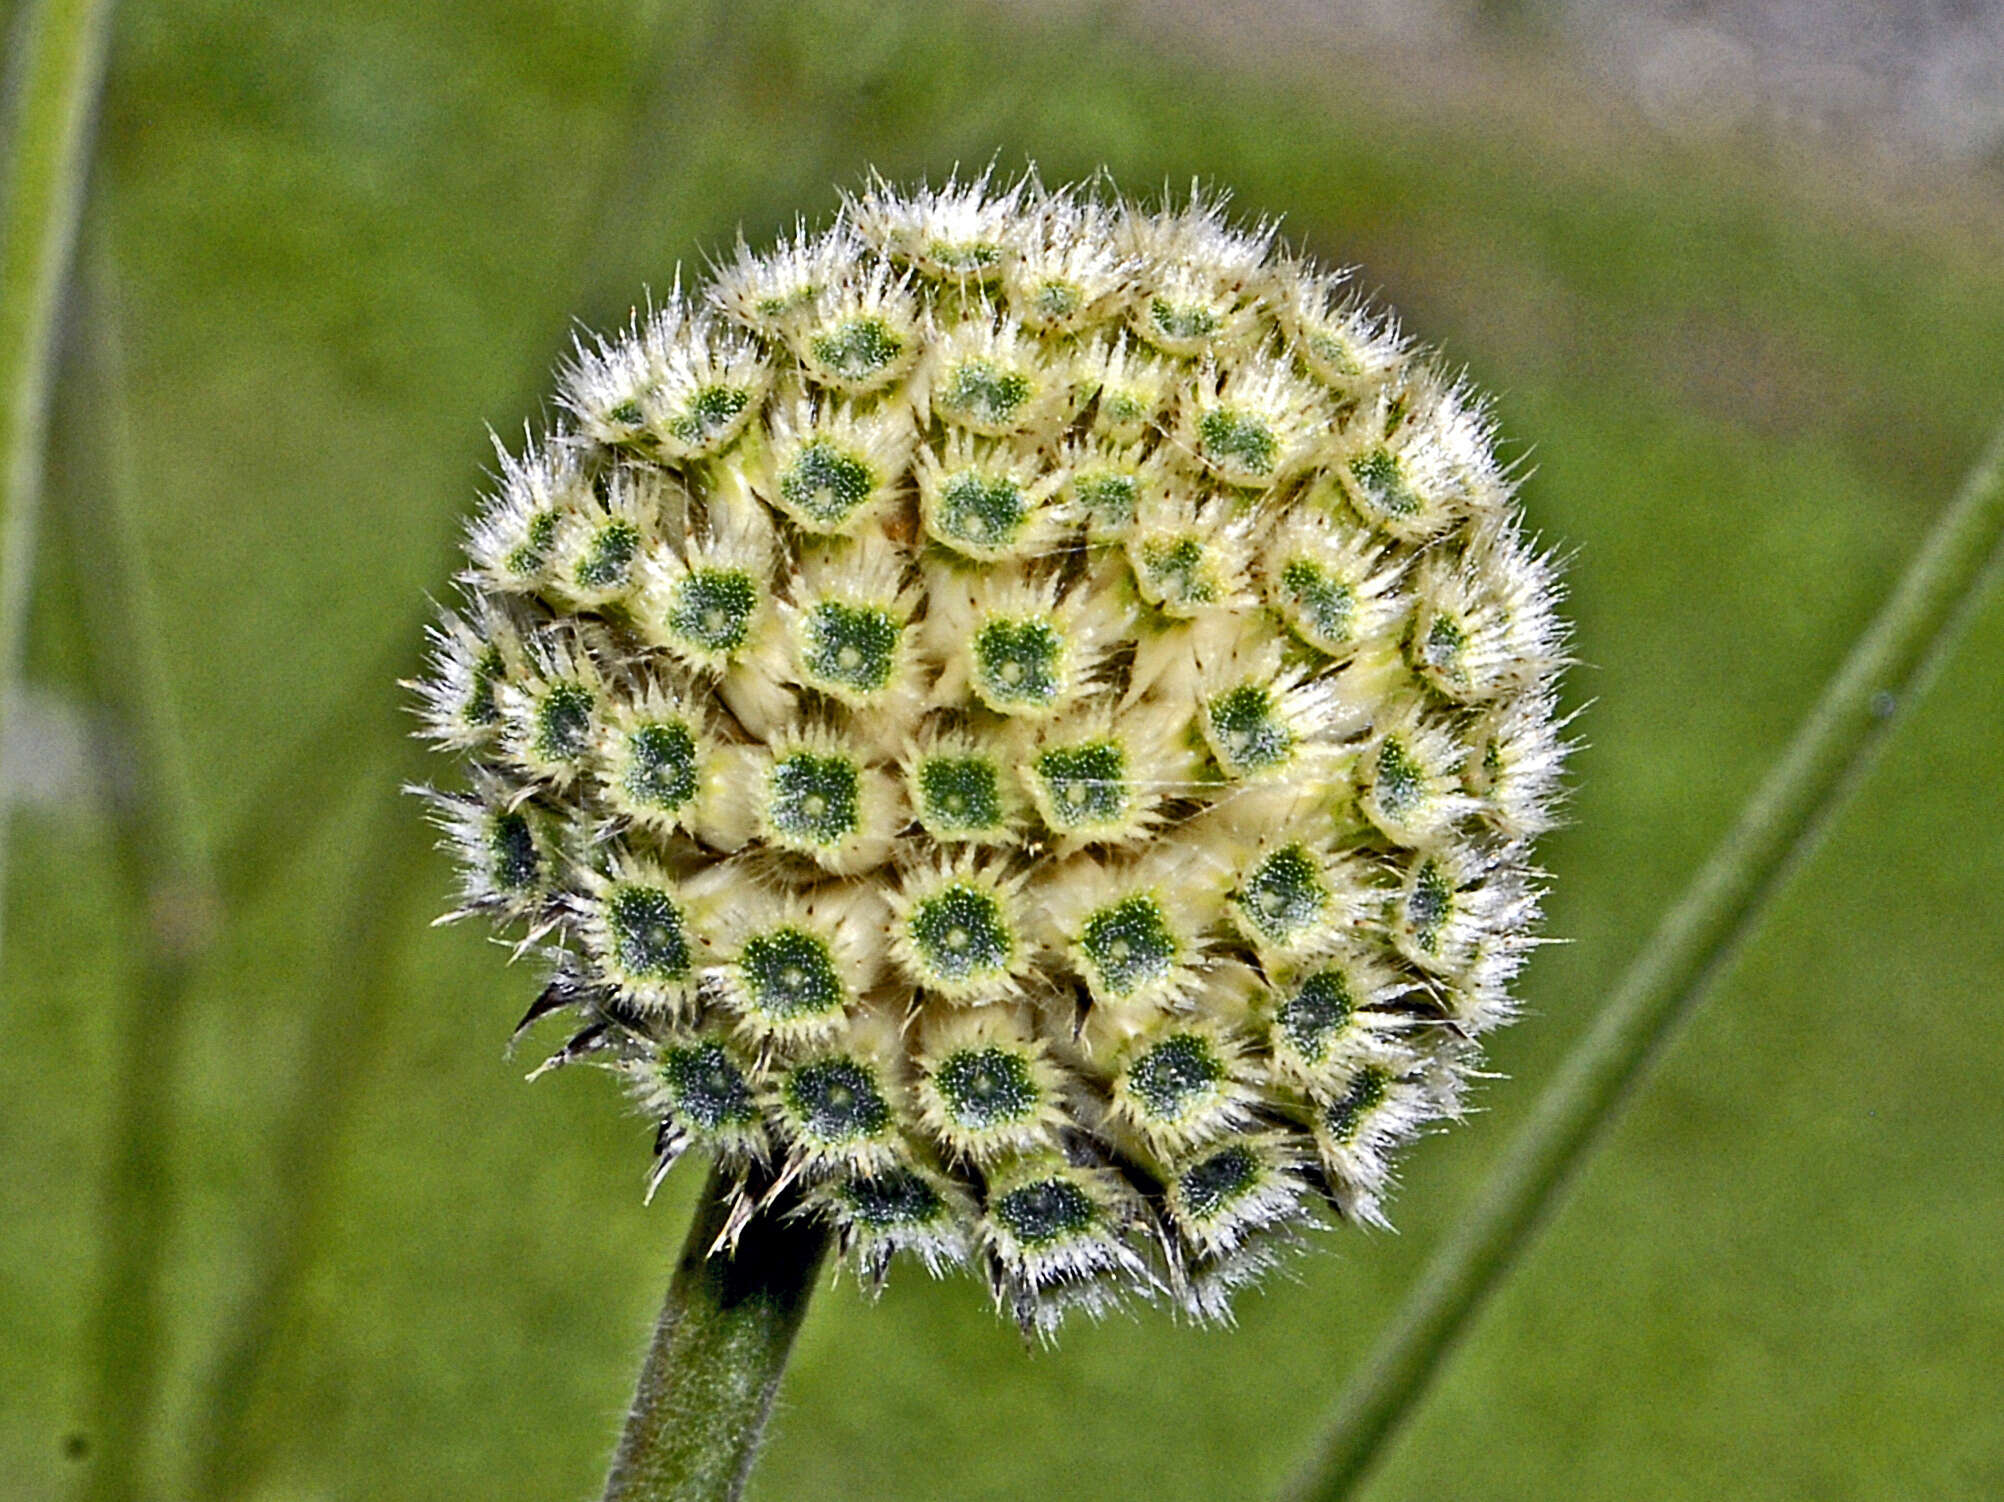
<point>480,707</point>
<point>1055,300</point>
<point>836,1101</point>
<point>1046,1211</point>
<point>1229,438</point>
<point>986,1087</point>
<point>826,484</point>
<point>1348,1110</point>
<point>710,411</point>
<point>1084,784</point>
<point>513,864</point>
<point>898,1197</point>
<point>1176,1076</point>
<point>789,974</point>
<point>1321,604</point>
<point>1175,570</point>
<point>1333,353</point>
<point>1182,322</point>
<point>1284,894</point>
<point>981,511</point>
<point>774,305</point>
<point>610,554</point>
<point>1430,904</point>
<point>563,722</point>
<point>1401,782</point>
<point>660,765</point>
<point>1444,641</point>
<point>964,256</point>
<point>713,608</point>
<point>960,794</point>
<point>1212,1184</point>
<point>1383,483</point>
<point>1123,406</point>
<point>539,535</point>
<point>1492,761</point>
<point>1107,496</point>
<point>1129,944</point>
<point>986,392</point>
<point>1312,1018</point>
<point>1440,651</point>
<point>1249,735</point>
<point>627,414</point>
<point>648,938</point>
<point>960,934</point>
<point>816,799</point>
<point>851,646</point>
<point>1017,663</point>
<point>706,1087</point>
<point>857,348</point>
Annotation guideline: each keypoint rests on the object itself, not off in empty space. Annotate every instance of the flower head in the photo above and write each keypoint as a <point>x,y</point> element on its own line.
<point>1020,718</point>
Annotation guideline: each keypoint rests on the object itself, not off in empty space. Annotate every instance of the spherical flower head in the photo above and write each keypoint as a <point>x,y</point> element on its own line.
<point>1019,720</point>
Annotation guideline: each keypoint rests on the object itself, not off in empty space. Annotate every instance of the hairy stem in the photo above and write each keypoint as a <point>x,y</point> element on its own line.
<point>722,1341</point>
<point>57,67</point>
<point>1888,668</point>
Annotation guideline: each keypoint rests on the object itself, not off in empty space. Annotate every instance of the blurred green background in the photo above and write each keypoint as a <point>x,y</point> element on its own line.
<point>266,1174</point>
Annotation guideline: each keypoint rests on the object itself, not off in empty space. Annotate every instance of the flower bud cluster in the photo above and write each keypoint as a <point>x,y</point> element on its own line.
<point>1020,718</point>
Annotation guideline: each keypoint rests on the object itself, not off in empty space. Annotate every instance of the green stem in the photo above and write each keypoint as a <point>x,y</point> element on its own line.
<point>58,66</point>
<point>722,1341</point>
<point>1887,669</point>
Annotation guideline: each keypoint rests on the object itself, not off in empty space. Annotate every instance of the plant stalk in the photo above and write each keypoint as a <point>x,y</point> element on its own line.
<point>722,1341</point>
<point>1887,669</point>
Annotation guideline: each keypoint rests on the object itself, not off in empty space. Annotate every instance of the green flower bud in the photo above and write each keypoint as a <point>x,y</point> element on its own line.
<point>987,1087</point>
<point>1409,780</point>
<point>837,1105</point>
<point>1320,1022</point>
<point>958,931</point>
<point>504,845</point>
<point>635,926</point>
<point>1179,1083</point>
<point>701,1090</point>
<point>1058,1237</point>
<point>819,797</point>
<point>983,502</point>
<point>962,791</point>
<point>860,336</point>
<point>899,1209</point>
<point>830,469</point>
<point>1220,1194</point>
<point>512,543</point>
<point>653,757</point>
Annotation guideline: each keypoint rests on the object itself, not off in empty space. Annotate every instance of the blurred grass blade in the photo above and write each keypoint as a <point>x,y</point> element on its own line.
<point>1889,667</point>
<point>243,1426</point>
<point>106,487</point>
<point>56,70</point>
<point>168,909</point>
<point>239,1434</point>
